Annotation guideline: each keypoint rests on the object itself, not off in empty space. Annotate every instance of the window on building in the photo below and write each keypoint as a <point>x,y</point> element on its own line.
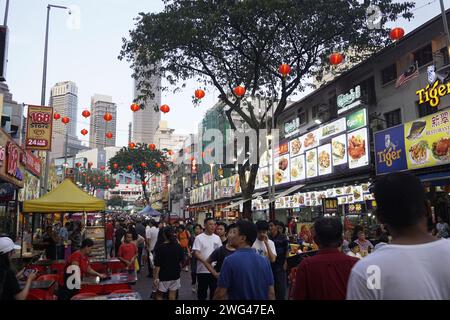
<point>315,111</point>
<point>368,93</point>
<point>445,57</point>
<point>302,116</point>
<point>424,55</point>
<point>389,74</point>
<point>393,118</point>
<point>425,109</point>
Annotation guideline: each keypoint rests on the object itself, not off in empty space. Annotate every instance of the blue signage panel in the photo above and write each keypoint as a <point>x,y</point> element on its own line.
<point>390,154</point>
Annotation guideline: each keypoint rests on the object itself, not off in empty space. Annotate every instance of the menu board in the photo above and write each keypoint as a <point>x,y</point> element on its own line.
<point>298,168</point>
<point>358,148</point>
<point>311,139</point>
<point>296,146</point>
<point>333,128</point>
<point>263,177</point>
<point>421,143</point>
<point>427,141</point>
<point>339,150</point>
<point>324,159</point>
<point>282,170</point>
<point>311,163</point>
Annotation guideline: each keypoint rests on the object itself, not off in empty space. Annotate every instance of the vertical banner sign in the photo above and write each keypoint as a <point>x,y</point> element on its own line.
<point>39,128</point>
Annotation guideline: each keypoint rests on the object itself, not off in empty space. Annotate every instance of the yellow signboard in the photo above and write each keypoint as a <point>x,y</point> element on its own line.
<point>427,140</point>
<point>39,128</point>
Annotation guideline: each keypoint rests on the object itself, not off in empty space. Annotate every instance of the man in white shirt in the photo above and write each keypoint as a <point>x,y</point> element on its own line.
<point>415,265</point>
<point>151,236</point>
<point>204,244</point>
<point>263,245</point>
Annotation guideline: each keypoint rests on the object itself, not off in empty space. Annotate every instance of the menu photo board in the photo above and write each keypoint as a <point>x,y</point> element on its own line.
<point>311,139</point>
<point>298,167</point>
<point>358,148</point>
<point>282,170</point>
<point>39,128</point>
<point>311,163</point>
<point>324,159</point>
<point>421,143</point>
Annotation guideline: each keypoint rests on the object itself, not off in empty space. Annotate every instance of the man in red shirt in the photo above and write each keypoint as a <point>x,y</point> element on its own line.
<point>325,275</point>
<point>109,236</point>
<point>128,252</point>
<point>79,258</point>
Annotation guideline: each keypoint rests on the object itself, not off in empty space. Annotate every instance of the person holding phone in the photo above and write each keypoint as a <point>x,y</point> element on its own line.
<point>263,245</point>
<point>9,285</point>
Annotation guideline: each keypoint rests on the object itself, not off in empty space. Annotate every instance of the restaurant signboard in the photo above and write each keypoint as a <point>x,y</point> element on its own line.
<point>11,168</point>
<point>421,143</point>
<point>39,128</point>
<point>350,100</point>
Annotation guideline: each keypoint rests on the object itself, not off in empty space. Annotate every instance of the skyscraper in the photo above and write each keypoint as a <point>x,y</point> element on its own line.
<point>64,100</point>
<point>100,104</point>
<point>145,122</point>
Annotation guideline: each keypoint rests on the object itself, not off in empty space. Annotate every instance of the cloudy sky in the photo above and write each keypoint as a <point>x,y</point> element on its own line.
<point>86,53</point>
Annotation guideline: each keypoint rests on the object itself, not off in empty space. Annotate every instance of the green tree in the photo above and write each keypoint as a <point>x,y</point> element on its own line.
<point>227,43</point>
<point>145,163</point>
<point>95,179</point>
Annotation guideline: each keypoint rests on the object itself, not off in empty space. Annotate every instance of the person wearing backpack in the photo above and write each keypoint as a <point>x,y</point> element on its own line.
<point>218,256</point>
<point>183,238</point>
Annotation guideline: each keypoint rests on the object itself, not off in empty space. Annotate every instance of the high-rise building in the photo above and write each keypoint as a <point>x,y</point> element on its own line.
<point>165,138</point>
<point>146,121</point>
<point>100,104</point>
<point>64,100</point>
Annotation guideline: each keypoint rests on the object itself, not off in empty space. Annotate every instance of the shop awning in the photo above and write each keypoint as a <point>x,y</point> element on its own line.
<point>238,203</point>
<point>289,191</point>
<point>436,179</point>
<point>67,197</point>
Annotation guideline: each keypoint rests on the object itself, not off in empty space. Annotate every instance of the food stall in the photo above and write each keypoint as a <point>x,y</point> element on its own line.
<point>68,198</point>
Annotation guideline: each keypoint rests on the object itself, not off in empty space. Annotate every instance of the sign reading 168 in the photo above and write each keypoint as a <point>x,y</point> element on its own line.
<point>40,117</point>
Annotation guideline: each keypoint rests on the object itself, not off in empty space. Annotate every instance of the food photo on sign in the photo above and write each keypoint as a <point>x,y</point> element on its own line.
<point>282,170</point>
<point>339,150</point>
<point>311,163</point>
<point>298,168</point>
<point>357,147</point>
<point>324,159</point>
<point>296,146</point>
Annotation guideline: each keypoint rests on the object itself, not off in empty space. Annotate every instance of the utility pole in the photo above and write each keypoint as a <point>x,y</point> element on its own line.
<point>5,23</point>
<point>129,132</point>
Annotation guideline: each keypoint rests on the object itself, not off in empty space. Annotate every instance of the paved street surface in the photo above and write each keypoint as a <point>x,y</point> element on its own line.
<point>144,286</point>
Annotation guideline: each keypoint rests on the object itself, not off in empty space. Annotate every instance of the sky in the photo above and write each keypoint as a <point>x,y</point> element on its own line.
<point>84,46</point>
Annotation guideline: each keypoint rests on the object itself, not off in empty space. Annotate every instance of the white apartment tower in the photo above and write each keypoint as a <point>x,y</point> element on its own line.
<point>145,122</point>
<point>101,104</point>
<point>64,100</point>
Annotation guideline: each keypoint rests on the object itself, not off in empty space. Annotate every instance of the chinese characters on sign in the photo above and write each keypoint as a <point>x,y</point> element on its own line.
<point>39,128</point>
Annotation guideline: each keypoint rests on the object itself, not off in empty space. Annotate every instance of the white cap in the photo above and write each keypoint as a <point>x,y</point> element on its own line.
<point>7,245</point>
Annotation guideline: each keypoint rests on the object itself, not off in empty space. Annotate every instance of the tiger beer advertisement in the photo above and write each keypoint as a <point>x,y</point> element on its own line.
<point>39,128</point>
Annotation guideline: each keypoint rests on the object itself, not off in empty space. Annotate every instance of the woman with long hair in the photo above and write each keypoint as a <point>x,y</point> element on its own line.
<point>169,257</point>
<point>9,285</point>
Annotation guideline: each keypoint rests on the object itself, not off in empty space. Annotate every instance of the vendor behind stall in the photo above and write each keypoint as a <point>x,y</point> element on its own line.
<point>80,259</point>
<point>49,239</point>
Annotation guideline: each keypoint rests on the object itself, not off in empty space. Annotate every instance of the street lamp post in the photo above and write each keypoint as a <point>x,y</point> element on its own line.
<point>212,190</point>
<point>44,84</point>
<point>184,198</point>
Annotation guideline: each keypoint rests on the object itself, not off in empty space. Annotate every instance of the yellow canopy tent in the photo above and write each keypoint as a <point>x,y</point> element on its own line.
<point>67,197</point>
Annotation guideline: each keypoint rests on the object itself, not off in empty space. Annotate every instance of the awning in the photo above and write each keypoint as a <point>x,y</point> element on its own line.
<point>233,205</point>
<point>436,179</point>
<point>289,191</point>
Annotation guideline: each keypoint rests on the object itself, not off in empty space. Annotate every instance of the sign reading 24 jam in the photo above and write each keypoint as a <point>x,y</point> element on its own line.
<point>390,150</point>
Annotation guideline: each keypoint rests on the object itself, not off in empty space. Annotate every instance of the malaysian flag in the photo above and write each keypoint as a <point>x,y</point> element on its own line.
<point>411,73</point>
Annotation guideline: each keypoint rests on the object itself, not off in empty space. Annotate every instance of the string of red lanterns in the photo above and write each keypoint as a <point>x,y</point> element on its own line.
<point>65,120</point>
<point>109,135</point>
<point>199,94</point>
<point>336,58</point>
<point>152,146</point>
<point>56,116</point>
<point>131,145</point>
<point>397,33</point>
<point>239,91</point>
<point>164,108</point>
<point>135,107</point>
<point>86,113</point>
<point>107,116</point>
<point>84,132</point>
<point>284,69</point>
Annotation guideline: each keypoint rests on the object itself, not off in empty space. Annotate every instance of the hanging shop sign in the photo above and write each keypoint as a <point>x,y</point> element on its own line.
<point>11,168</point>
<point>39,128</point>
<point>421,143</point>
<point>330,205</point>
<point>349,100</point>
<point>291,127</point>
<point>355,208</point>
<point>433,93</point>
<point>32,163</point>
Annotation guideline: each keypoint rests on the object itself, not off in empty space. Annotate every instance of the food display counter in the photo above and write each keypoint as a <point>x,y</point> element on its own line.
<point>97,234</point>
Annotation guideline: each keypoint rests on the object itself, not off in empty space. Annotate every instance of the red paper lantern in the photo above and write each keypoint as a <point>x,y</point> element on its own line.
<point>108,117</point>
<point>284,69</point>
<point>131,145</point>
<point>170,152</point>
<point>65,120</point>
<point>86,113</point>
<point>152,146</point>
<point>102,168</point>
<point>56,116</point>
<point>143,164</point>
<point>78,164</point>
<point>84,132</point>
<point>129,167</point>
<point>109,135</point>
<point>336,58</point>
<point>396,34</point>
<point>135,107</point>
<point>199,93</point>
<point>115,166</point>
<point>239,91</point>
<point>165,108</point>
<point>90,164</point>
<point>158,165</point>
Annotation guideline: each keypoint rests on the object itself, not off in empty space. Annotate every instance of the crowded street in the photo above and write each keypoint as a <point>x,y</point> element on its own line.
<point>240,155</point>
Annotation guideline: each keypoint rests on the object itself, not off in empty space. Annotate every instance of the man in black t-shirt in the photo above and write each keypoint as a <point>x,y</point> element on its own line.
<point>279,267</point>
